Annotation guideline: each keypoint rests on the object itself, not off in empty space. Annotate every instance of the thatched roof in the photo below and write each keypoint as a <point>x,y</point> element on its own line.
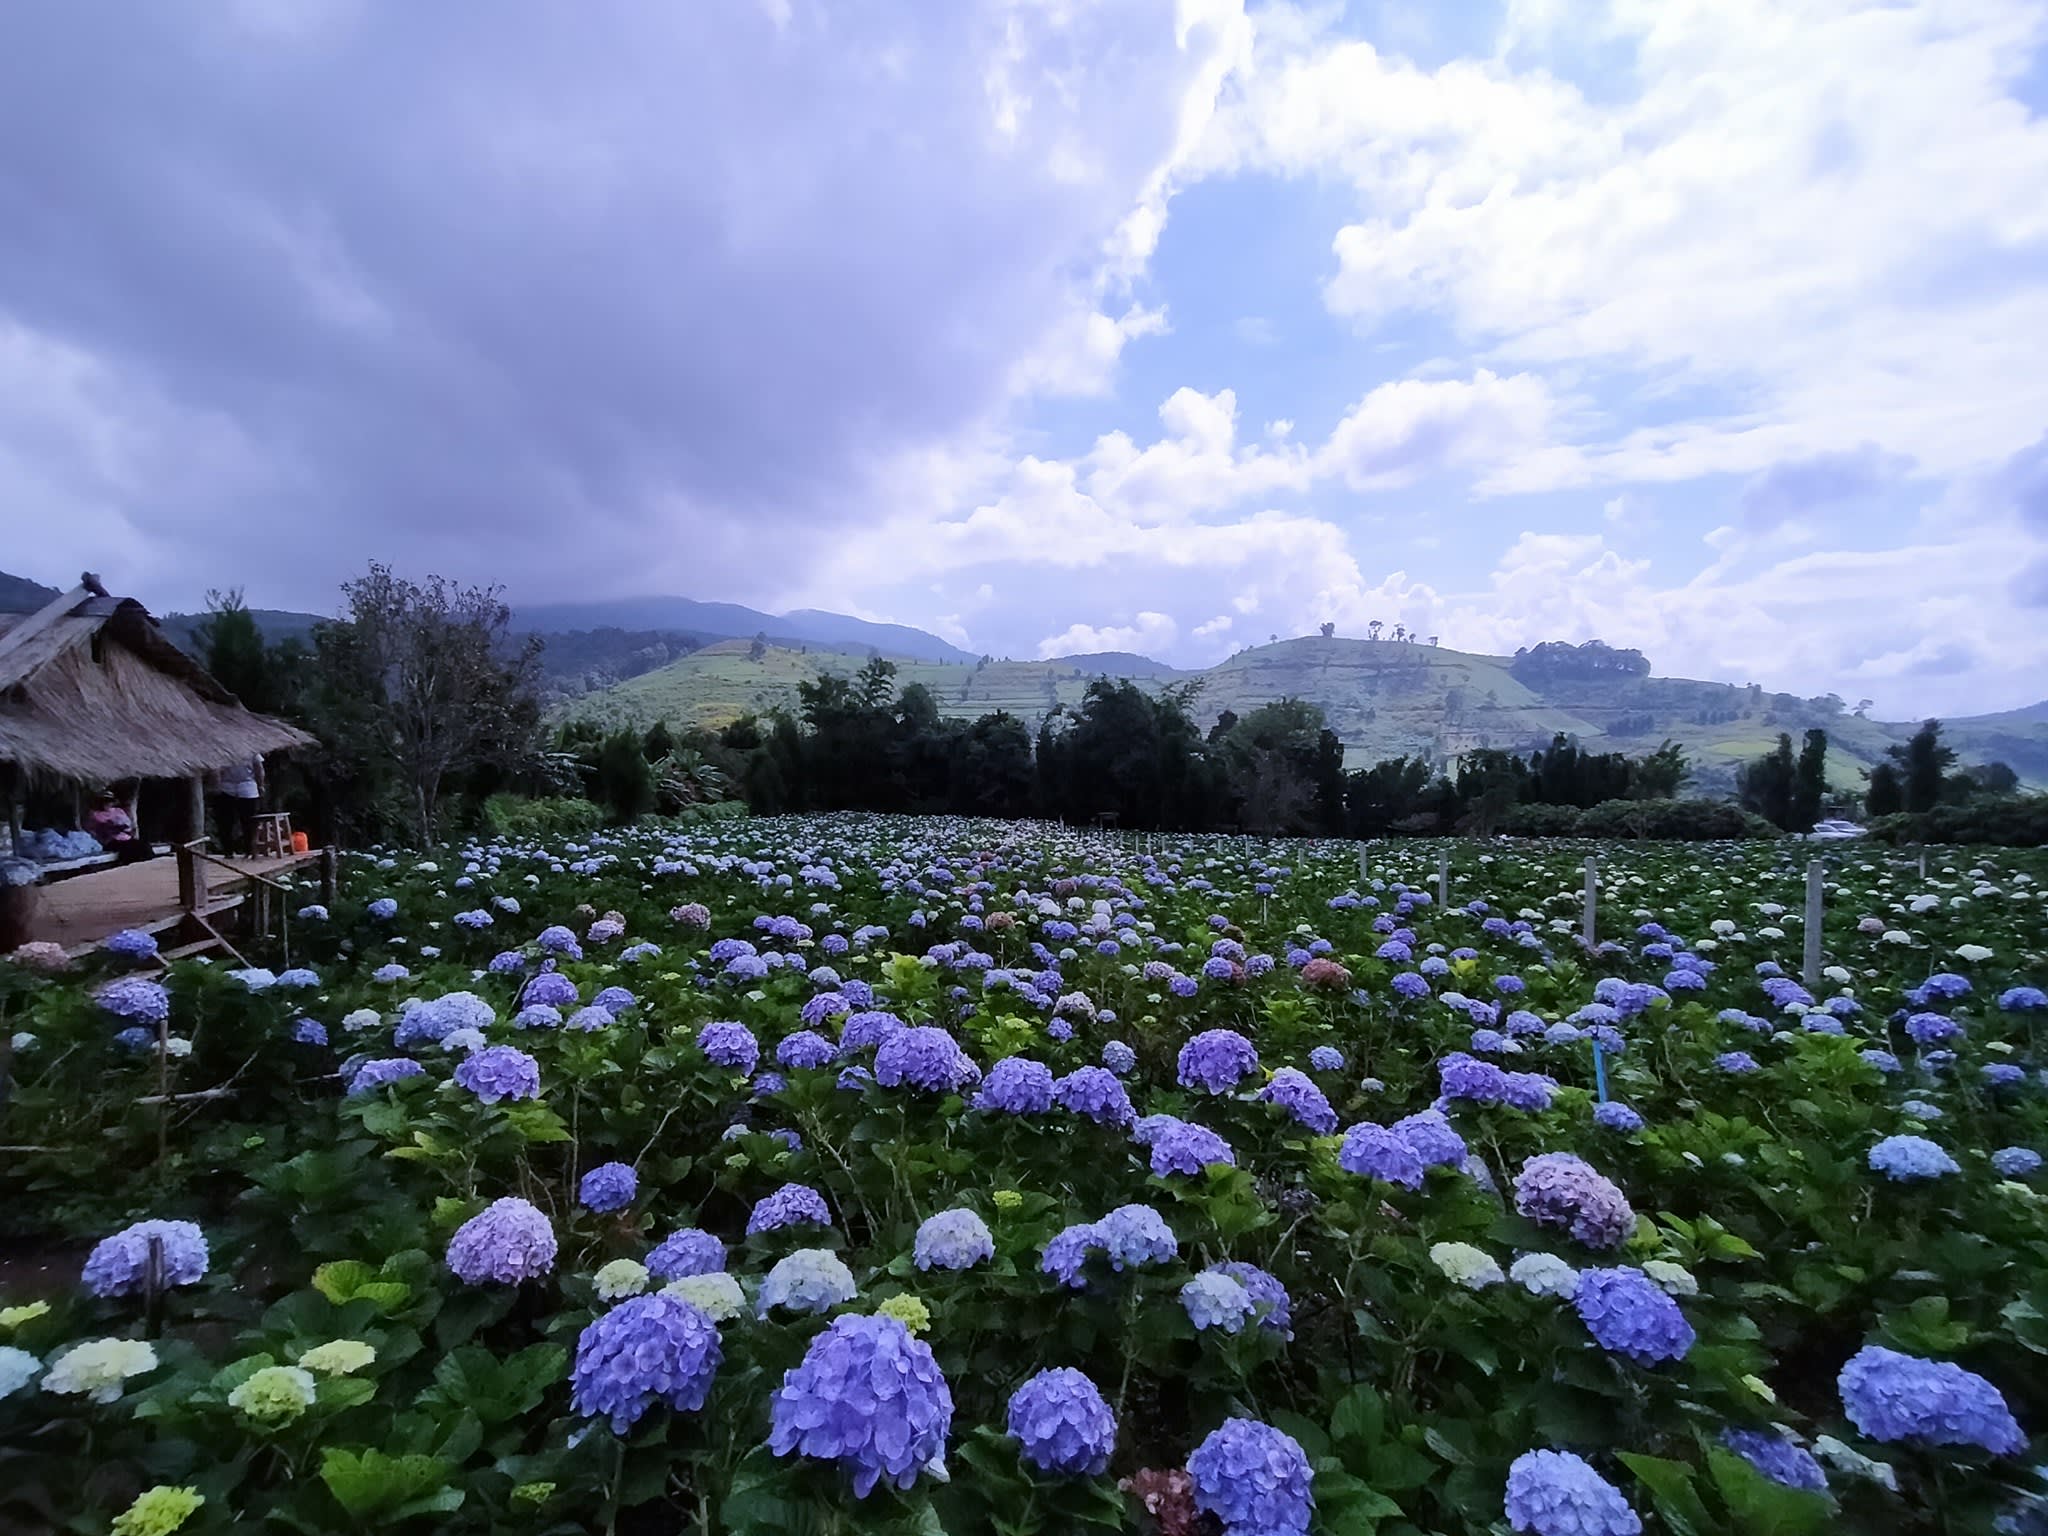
<point>91,690</point>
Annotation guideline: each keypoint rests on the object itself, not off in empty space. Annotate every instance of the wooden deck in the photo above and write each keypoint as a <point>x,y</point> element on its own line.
<point>79,912</point>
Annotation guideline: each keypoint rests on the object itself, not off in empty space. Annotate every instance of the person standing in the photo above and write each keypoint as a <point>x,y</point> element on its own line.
<point>237,791</point>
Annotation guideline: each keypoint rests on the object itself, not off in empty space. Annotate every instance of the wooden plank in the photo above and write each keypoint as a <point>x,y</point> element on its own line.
<point>79,912</point>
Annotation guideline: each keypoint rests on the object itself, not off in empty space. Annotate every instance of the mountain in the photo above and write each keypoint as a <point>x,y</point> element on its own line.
<point>731,620</point>
<point>1384,699</point>
<point>20,595</point>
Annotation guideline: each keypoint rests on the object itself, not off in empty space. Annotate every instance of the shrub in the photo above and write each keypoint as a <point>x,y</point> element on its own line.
<point>2013,821</point>
<point>1691,821</point>
<point>1542,821</point>
<point>549,818</point>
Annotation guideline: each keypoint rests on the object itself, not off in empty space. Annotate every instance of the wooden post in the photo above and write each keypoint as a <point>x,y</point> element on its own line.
<point>188,878</point>
<point>1923,863</point>
<point>195,808</point>
<point>1587,931</point>
<point>1815,905</point>
<point>1364,871</point>
<point>1443,879</point>
<point>327,875</point>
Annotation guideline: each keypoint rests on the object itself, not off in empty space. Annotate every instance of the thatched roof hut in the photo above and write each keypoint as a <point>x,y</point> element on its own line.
<point>92,692</point>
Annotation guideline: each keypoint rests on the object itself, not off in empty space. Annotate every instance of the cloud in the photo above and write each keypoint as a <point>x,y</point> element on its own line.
<point>1151,631</point>
<point>1404,430</point>
<point>1255,331</point>
<point>580,301</point>
<point>1785,491</point>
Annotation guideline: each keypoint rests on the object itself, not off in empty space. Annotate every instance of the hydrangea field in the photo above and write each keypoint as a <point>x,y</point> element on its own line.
<point>868,1174</point>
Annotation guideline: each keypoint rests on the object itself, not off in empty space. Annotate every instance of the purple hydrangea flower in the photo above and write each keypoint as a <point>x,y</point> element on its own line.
<point>131,944</point>
<point>806,1049</point>
<point>135,999</point>
<point>1016,1085</point>
<point>499,1072</point>
<point>925,1058</point>
<point>1186,1148</point>
<point>1560,1189</point>
<point>1119,1057</point>
<point>119,1265</point>
<point>1736,1063</point>
<point>309,1032</point>
<point>1062,1425</point>
<point>1095,1093</point>
<point>550,987</point>
<point>608,1187</point>
<point>1893,1397</point>
<point>1217,1060</point>
<point>1269,1296</point>
<point>1467,1077</point>
<point>1136,1235</point>
<point>1297,1093</point>
<point>685,1253</point>
<point>789,1206</point>
<point>869,1396</point>
<point>1213,1299</point>
<point>955,1239</point>
<point>870,1027</point>
<point>1068,1251</point>
<point>1530,1092</point>
<point>1326,1058</point>
<point>1629,1314</point>
<point>1374,1152</point>
<point>1617,1116</point>
<point>506,1242</point>
<point>1254,1478</point>
<point>1555,1493</point>
<point>647,1350</point>
<point>729,1045</point>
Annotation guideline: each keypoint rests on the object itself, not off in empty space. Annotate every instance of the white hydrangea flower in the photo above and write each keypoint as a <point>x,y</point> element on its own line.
<point>619,1279</point>
<point>17,1369</point>
<point>717,1294</point>
<point>1973,952</point>
<point>1473,1268</point>
<point>1895,936</point>
<point>809,1280</point>
<point>98,1367</point>
<point>1672,1279</point>
<point>1544,1274</point>
<point>339,1357</point>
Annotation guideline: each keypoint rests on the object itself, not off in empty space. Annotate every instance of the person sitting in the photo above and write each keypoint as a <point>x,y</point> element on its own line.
<point>114,829</point>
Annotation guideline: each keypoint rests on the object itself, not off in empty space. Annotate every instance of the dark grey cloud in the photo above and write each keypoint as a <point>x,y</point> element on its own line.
<point>591,299</point>
<point>2022,483</point>
<point>1822,483</point>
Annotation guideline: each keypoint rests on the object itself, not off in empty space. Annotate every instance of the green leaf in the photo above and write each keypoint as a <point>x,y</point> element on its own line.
<point>1358,1416</point>
<point>1762,1507</point>
<point>371,1485</point>
<point>1671,1490</point>
<point>1393,1467</point>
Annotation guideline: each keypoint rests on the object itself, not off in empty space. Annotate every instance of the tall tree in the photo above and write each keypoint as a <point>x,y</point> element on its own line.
<point>1810,781</point>
<point>1767,784</point>
<point>1923,763</point>
<point>1887,792</point>
<point>425,680</point>
<point>232,649</point>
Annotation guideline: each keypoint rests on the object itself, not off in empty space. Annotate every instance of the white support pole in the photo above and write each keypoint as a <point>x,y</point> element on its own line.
<point>1443,880</point>
<point>1587,931</point>
<point>1815,905</point>
<point>1364,877</point>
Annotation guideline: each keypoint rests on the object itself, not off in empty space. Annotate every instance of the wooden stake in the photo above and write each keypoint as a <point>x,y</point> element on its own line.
<point>1815,905</point>
<point>1588,929</point>
<point>1443,880</point>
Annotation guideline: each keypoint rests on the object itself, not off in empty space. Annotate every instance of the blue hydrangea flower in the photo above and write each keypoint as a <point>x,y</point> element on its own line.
<point>1136,1235</point>
<point>805,1050</point>
<point>1530,1092</point>
<point>1736,1063</point>
<point>1466,1077</point>
<point>791,1205</point>
<point>550,987</point>
<point>1617,1116</point>
<point>1254,1478</point>
<point>1067,1253</point>
<point>499,1072</point>
<point>309,1032</point>
<point>131,944</point>
<point>134,999</point>
<point>1374,1152</point>
<point>1629,1314</point>
<point>383,909</point>
<point>1095,1093</point>
<point>1326,1058</point>
<point>1186,1148</point>
<point>1932,1028</point>
<point>729,1045</point>
<point>1433,1139</point>
<point>1907,1158</point>
<point>647,1350</point>
<point>1778,1456</point>
<point>1016,1085</point>
<point>869,1396</point>
<point>685,1253</point>
<point>608,1187</point>
<point>1217,1060</point>
<point>2023,1000</point>
<point>614,1000</point>
<point>1555,1493</point>
<point>809,1280</point>
<point>1891,1396</point>
<point>119,1265</point>
<point>373,1074</point>
<point>2015,1162</point>
<point>925,1058</point>
<point>505,1243</point>
<point>869,1027</point>
<point>1884,1061</point>
<point>1213,1299</point>
<point>1296,1092</point>
<point>1119,1057</point>
<point>1560,1189</point>
<point>557,940</point>
<point>955,1239</point>
<point>1062,1425</point>
<point>1269,1296</point>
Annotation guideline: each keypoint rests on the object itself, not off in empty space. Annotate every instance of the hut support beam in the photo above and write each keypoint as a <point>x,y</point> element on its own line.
<point>195,808</point>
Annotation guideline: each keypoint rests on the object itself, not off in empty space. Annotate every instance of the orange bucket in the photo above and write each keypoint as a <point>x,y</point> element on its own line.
<point>300,843</point>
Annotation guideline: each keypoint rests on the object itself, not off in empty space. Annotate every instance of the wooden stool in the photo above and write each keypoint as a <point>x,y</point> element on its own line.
<point>271,836</point>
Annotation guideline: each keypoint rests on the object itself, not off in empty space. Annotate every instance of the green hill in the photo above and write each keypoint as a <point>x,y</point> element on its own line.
<point>1384,699</point>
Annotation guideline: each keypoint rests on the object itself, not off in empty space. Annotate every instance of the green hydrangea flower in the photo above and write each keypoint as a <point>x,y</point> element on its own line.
<point>277,1394</point>
<point>158,1511</point>
<point>340,1357</point>
<point>908,1310</point>
<point>1007,1199</point>
<point>14,1317</point>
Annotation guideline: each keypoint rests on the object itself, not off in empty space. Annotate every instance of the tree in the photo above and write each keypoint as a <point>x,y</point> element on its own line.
<point>1887,792</point>
<point>1372,629</point>
<point>231,648</point>
<point>757,647</point>
<point>1767,785</point>
<point>622,779</point>
<point>991,768</point>
<point>424,681</point>
<point>1328,629</point>
<point>1810,781</point>
<point>1923,764</point>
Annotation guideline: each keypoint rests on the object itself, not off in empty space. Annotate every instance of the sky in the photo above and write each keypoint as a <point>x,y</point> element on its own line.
<point>1711,327</point>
